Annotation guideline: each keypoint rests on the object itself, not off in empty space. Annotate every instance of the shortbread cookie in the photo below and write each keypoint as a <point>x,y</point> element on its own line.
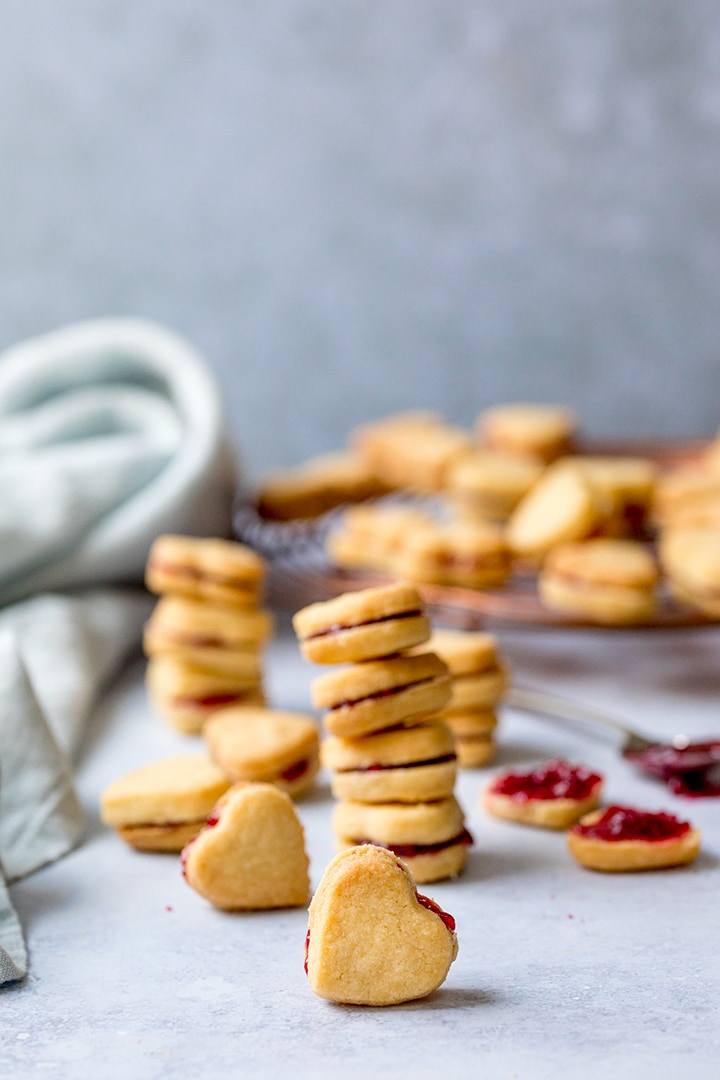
<point>547,431</point>
<point>212,636</point>
<point>687,495</point>
<point>221,571</point>
<point>367,697</point>
<point>251,854</point>
<point>252,743</point>
<point>620,839</point>
<point>628,486</point>
<point>563,505</point>
<point>464,554</point>
<point>490,483</point>
<point>362,625</point>
<point>605,581</point>
<point>552,796</point>
<point>185,696</point>
<point>161,806</point>
<point>371,536</point>
<point>691,561</point>
<point>430,837</point>
<point>372,939</point>
<point>401,764</point>
<point>318,485</point>
<point>479,675</point>
<point>411,450</point>
<point>473,733</point>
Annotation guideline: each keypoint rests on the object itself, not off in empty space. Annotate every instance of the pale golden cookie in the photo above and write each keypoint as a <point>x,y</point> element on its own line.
<point>367,697</point>
<point>160,806</point>
<point>466,652</point>
<point>211,636</point>
<point>401,764</point>
<point>251,743</point>
<point>620,839</point>
<point>412,450</point>
<point>316,486</point>
<point>185,696</point>
<point>362,625</point>
<point>371,536</point>
<point>464,554</point>
<point>605,581</point>
<point>473,734</point>
<point>430,837</point>
<point>490,483</point>
<point>552,796</point>
<point>222,571</point>
<point>547,431</point>
<point>372,940</point>
<point>563,505</point>
<point>687,495</point>
<point>628,486</point>
<point>251,854</point>
<point>691,561</point>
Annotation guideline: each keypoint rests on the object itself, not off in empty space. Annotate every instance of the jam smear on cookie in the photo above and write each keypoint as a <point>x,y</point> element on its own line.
<point>553,780</point>
<point>432,906</point>
<point>625,823</point>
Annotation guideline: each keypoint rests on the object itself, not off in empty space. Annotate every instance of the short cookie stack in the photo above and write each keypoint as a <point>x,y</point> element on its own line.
<point>204,638</point>
<point>394,764</point>
<point>479,681</point>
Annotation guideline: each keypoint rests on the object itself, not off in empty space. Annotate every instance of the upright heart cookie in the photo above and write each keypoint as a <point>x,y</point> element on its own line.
<point>251,854</point>
<point>372,939</point>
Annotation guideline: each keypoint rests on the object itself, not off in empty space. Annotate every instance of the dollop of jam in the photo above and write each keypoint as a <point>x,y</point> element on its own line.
<point>432,906</point>
<point>625,823</point>
<point>553,780</point>
<point>692,770</point>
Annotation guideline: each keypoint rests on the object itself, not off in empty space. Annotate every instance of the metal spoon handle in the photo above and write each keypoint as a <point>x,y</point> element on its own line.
<point>537,701</point>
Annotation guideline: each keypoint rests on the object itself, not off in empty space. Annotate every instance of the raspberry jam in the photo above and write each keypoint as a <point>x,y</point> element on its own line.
<point>295,771</point>
<point>432,906</point>
<point>553,780</point>
<point>409,851</point>
<point>625,823</point>
<point>307,949</point>
<point>692,770</point>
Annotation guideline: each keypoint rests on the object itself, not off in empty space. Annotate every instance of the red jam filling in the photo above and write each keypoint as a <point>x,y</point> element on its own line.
<point>212,701</point>
<point>195,574</point>
<point>383,693</point>
<point>295,771</point>
<point>553,780</point>
<point>307,949</point>
<point>624,823</point>
<point>338,628</point>
<point>432,906</point>
<point>378,767</point>
<point>409,851</point>
<point>692,770</point>
<point>210,823</point>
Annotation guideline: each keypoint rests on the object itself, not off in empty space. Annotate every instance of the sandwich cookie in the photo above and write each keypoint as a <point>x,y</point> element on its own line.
<point>372,939</point>
<point>411,450</point>
<point>400,764</point>
<point>251,854</point>
<point>611,582</point>
<point>211,636</point>
<point>551,796</point>
<point>691,561</point>
<point>545,431</point>
<point>564,505</point>
<point>371,537</point>
<point>316,486</point>
<point>490,483</point>
<point>367,697</point>
<point>627,484</point>
<point>619,839</point>
<point>466,554</point>
<point>479,681</point>
<point>362,625</point>
<point>185,696</point>
<point>430,838</point>
<point>221,571</point>
<point>163,805</point>
<point>251,743</point>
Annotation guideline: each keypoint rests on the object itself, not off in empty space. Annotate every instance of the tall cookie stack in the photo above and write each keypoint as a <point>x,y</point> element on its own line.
<point>394,767</point>
<point>205,636</point>
<point>479,681</point>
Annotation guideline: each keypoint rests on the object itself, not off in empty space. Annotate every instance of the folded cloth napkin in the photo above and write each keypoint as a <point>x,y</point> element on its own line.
<point>111,432</point>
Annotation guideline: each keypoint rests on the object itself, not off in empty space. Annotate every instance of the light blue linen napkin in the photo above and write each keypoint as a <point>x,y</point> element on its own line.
<point>111,433</point>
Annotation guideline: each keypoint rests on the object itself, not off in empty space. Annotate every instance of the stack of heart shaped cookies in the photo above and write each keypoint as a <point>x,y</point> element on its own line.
<point>205,636</point>
<point>393,762</point>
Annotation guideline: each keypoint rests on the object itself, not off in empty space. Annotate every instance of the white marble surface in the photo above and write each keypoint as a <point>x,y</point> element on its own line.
<point>560,973</point>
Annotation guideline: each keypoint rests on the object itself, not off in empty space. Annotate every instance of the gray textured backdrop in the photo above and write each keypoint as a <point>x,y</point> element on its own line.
<point>356,207</point>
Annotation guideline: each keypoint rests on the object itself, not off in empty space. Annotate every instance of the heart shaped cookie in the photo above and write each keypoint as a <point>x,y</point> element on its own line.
<point>372,938</point>
<point>251,854</point>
